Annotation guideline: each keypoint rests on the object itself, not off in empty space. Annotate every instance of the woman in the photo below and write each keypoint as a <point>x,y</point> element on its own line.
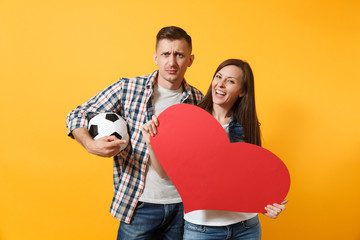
<point>231,101</point>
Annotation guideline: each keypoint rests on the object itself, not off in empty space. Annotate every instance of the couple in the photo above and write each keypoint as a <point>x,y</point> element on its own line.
<point>145,201</point>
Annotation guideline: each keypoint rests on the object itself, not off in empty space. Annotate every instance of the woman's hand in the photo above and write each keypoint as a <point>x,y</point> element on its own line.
<point>274,210</point>
<point>149,129</point>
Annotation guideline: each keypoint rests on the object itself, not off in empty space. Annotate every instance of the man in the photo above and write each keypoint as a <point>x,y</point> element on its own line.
<point>148,206</point>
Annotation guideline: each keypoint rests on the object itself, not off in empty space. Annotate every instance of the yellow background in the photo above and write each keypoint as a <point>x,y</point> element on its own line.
<point>55,55</point>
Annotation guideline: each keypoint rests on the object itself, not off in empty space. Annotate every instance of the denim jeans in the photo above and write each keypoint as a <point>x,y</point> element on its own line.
<point>249,230</point>
<point>154,221</point>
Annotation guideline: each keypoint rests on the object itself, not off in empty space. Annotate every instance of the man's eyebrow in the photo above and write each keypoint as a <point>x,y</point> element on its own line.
<point>175,52</point>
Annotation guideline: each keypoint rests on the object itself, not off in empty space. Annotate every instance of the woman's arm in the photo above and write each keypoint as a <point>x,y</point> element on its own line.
<point>149,129</point>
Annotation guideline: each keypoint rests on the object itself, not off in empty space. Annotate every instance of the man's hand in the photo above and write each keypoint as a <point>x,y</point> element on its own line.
<point>103,147</point>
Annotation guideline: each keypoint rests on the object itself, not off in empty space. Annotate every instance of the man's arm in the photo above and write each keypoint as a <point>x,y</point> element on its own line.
<point>103,147</point>
<point>76,122</point>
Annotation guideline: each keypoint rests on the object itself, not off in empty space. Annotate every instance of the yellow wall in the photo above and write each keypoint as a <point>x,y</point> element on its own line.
<point>55,55</point>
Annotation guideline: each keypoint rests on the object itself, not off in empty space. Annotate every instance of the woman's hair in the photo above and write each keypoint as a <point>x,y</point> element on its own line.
<point>243,110</point>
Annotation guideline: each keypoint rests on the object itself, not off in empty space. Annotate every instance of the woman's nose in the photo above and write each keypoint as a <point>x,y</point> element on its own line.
<point>222,83</point>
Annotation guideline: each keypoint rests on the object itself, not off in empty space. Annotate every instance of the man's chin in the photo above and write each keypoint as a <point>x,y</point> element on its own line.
<point>172,79</point>
<point>170,82</point>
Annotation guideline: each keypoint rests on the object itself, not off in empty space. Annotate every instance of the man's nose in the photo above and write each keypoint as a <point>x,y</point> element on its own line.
<point>172,60</point>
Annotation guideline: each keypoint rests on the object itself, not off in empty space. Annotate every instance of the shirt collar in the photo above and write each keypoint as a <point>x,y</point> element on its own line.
<point>233,122</point>
<point>152,79</point>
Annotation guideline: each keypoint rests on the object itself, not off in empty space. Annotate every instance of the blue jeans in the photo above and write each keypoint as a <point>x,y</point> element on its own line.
<point>154,221</point>
<point>249,230</point>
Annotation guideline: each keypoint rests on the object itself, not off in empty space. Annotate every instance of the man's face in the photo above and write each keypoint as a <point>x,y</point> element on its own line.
<point>173,57</point>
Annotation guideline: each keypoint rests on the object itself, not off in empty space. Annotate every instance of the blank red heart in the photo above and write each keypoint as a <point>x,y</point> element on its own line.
<point>208,171</point>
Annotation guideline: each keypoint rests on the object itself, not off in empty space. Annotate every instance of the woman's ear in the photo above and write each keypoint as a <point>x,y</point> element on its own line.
<point>242,93</point>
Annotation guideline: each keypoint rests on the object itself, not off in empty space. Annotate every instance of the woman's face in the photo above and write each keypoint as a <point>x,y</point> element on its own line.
<point>226,86</point>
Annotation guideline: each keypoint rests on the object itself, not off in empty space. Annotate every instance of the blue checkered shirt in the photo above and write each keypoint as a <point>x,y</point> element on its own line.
<point>131,99</point>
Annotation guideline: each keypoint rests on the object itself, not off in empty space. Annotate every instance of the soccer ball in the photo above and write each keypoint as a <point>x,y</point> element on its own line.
<point>108,124</point>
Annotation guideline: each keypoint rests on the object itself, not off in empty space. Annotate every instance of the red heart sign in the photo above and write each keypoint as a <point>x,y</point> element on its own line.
<point>208,171</point>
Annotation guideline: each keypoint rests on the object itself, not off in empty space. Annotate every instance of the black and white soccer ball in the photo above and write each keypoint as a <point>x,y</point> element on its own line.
<point>108,124</point>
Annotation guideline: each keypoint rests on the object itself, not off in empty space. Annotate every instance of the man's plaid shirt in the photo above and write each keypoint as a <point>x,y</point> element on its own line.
<point>131,99</point>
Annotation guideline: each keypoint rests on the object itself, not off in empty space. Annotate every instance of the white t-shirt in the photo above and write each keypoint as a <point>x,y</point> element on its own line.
<point>217,217</point>
<point>158,190</point>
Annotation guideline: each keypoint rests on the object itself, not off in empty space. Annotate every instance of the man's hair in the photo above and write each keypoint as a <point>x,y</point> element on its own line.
<point>173,33</point>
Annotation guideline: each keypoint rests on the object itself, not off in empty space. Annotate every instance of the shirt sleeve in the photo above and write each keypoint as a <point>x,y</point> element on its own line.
<point>108,100</point>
